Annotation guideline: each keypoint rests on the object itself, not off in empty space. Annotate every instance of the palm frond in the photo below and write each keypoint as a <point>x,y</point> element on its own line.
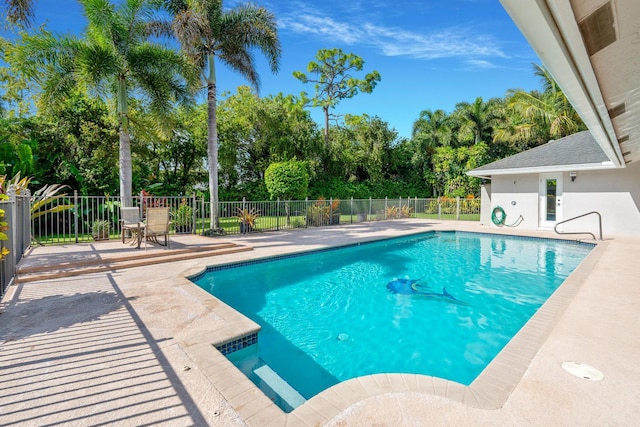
<point>254,27</point>
<point>20,12</point>
<point>46,195</point>
<point>242,61</point>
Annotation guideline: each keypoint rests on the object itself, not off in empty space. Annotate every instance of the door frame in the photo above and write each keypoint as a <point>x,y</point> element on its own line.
<point>543,221</point>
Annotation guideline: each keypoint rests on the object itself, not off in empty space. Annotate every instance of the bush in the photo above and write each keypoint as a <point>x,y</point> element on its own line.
<point>287,180</point>
<point>183,217</point>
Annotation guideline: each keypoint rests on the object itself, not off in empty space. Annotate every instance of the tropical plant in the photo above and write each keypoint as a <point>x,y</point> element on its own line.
<point>392,211</point>
<point>206,30</point>
<point>247,219</point>
<point>324,212</point>
<point>182,217</point>
<point>115,55</point>
<point>47,195</point>
<point>478,119</point>
<point>100,229</point>
<point>19,11</point>
<point>541,116</point>
<point>334,81</point>
<point>17,184</point>
<point>432,129</point>
<point>4,226</point>
<point>318,213</point>
<point>406,211</point>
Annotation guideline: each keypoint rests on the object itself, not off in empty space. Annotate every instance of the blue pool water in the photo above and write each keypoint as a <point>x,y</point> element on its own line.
<point>330,316</point>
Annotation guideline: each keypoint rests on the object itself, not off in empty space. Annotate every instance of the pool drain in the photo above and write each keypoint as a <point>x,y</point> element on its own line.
<point>583,371</point>
<point>343,337</point>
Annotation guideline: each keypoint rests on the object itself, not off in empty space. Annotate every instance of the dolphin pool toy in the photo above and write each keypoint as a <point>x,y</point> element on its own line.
<point>403,286</point>
<point>412,287</point>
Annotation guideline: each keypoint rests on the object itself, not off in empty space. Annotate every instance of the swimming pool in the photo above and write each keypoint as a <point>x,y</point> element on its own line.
<point>441,304</point>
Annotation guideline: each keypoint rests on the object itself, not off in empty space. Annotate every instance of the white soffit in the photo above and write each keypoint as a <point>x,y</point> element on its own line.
<point>551,28</point>
<point>489,173</point>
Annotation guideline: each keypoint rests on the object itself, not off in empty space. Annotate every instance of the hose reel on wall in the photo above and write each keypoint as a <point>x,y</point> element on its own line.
<point>498,217</point>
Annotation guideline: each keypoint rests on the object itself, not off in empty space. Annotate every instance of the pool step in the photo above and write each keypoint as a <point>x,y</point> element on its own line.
<point>280,386</point>
<point>138,259</point>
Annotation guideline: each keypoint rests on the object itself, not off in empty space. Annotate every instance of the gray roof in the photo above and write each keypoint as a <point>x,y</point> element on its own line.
<point>577,149</point>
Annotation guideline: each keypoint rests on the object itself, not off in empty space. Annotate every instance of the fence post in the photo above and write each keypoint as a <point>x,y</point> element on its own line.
<point>457,208</point>
<point>12,232</point>
<point>369,208</point>
<point>278,215</point>
<point>75,217</point>
<point>194,213</point>
<point>351,211</point>
<point>306,212</point>
<point>202,213</point>
<point>8,265</point>
<point>330,210</point>
<point>439,209</point>
<point>386,204</point>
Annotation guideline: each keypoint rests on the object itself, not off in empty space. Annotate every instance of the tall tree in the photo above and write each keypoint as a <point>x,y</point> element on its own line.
<point>432,129</point>
<point>334,81</point>
<point>477,119</point>
<point>115,56</point>
<point>542,115</point>
<point>362,148</point>
<point>207,31</point>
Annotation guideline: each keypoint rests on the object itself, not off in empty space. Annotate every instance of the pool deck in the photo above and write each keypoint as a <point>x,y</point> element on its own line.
<point>136,346</point>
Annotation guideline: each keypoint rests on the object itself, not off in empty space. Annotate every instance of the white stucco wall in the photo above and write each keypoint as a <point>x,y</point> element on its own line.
<point>614,193</point>
<point>518,196</point>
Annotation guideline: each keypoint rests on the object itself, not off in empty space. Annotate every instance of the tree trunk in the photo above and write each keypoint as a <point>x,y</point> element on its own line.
<point>325,109</point>
<point>124,155</point>
<point>212,144</point>
<point>126,196</point>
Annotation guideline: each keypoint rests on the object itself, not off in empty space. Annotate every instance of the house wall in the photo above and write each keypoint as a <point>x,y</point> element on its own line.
<point>614,193</point>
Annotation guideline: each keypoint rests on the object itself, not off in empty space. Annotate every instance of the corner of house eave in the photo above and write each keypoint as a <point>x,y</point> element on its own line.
<point>551,30</point>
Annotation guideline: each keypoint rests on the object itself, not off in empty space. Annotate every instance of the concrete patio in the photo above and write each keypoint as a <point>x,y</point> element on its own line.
<point>135,346</point>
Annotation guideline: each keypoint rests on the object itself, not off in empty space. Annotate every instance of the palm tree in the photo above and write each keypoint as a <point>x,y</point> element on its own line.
<point>207,31</point>
<point>432,129</point>
<point>543,115</point>
<point>19,11</point>
<point>478,118</point>
<point>115,56</point>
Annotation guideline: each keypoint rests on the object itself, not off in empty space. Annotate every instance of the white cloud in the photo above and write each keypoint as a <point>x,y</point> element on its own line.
<point>449,43</point>
<point>481,64</point>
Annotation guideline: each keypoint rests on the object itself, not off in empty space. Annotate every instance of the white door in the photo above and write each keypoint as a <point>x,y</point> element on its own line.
<point>550,199</point>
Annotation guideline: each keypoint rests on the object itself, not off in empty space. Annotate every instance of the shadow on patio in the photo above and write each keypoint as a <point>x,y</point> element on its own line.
<point>79,354</point>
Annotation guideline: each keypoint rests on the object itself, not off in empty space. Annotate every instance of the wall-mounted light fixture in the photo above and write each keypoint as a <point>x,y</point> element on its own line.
<point>573,176</point>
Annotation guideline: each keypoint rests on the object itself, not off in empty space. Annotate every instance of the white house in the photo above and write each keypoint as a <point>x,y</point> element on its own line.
<point>560,180</point>
<point>592,49</point>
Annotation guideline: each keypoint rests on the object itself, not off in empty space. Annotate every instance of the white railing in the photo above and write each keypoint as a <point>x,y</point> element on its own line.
<point>191,215</point>
<point>16,215</point>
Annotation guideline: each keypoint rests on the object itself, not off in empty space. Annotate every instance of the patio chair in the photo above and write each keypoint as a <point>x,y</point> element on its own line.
<point>130,223</point>
<point>156,225</point>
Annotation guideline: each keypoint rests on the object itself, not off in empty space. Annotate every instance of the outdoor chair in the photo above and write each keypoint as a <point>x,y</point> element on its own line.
<point>157,225</point>
<point>130,223</point>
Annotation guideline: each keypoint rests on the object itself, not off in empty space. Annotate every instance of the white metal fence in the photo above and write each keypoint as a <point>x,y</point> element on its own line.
<point>191,215</point>
<point>16,215</point>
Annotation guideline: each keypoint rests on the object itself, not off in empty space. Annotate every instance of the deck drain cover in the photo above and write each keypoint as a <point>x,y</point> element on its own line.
<point>582,371</point>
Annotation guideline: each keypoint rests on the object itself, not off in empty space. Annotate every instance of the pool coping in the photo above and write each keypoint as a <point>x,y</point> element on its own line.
<point>490,390</point>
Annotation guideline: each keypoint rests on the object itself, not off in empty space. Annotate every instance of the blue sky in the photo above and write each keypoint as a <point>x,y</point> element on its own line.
<point>430,54</point>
